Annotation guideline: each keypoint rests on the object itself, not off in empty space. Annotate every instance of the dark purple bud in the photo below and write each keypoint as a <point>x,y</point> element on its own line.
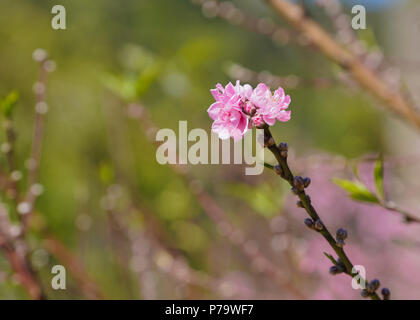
<point>341,234</point>
<point>283,146</point>
<point>335,270</point>
<point>341,264</point>
<point>268,140</point>
<point>373,285</point>
<point>306,182</point>
<point>386,293</point>
<point>298,183</point>
<point>278,170</point>
<point>364,293</point>
<point>309,223</point>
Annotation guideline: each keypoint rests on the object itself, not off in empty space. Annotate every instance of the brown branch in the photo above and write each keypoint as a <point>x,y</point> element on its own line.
<point>366,78</point>
<point>298,188</point>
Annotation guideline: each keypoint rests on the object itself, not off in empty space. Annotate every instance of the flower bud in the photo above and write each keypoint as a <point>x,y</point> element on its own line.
<point>309,223</point>
<point>283,147</point>
<point>269,141</point>
<point>278,170</point>
<point>306,182</point>
<point>335,270</point>
<point>298,183</point>
<point>364,293</point>
<point>318,225</point>
<point>341,234</point>
<point>299,204</point>
<point>294,190</point>
<point>341,264</point>
<point>247,107</point>
<point>386,293</point>
<point>373,285</point>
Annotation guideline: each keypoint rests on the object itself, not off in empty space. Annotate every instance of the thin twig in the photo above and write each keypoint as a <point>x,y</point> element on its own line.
<point>12,191</point>
<point>33,163</point>
<point>407,216</point>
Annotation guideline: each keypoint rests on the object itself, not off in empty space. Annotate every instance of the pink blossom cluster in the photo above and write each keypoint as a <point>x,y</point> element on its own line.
<point>240,107</point>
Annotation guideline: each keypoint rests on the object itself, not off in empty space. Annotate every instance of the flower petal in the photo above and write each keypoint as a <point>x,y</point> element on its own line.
<point>230,89</point>
<point>285,115</point>
<point>243,125</point>
<point>214,110</point>
<point>268,120</point>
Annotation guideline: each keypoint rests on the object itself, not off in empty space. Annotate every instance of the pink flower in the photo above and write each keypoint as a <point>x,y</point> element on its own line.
<point>261,96</point>
<point>244,91</point>
<point>235,105</point>
<point>271,107</point>
<point>229,119</point>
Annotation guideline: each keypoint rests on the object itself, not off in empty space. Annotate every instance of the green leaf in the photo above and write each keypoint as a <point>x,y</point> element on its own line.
<point>331,258</point>
<point>378,173</point>
<point>8,103</point>
<point>357,190</point>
